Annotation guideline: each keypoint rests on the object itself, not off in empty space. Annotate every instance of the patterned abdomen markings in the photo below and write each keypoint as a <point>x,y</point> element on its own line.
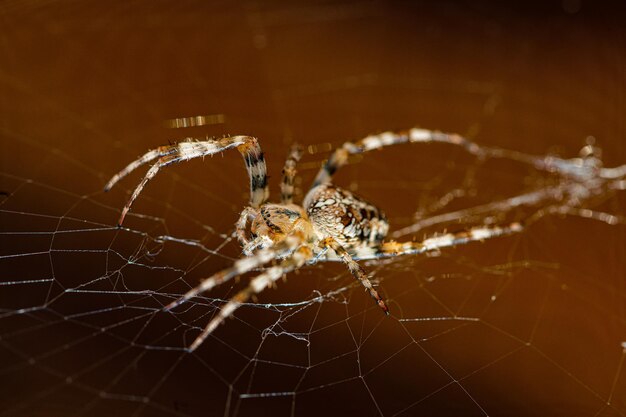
<point>352,221</point>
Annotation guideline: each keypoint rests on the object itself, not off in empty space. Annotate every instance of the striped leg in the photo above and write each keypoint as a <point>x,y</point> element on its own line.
<point>258,284</point>
<point>184,151</point>
<point>392,249</point>
<point>289,174</point>
<point>240,267</point>
<point>340,156</point>
<point>566,167</point>
<point>356,270</point>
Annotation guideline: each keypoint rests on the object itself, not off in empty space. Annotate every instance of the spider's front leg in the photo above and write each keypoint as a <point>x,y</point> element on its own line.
<point>242,266</point>
<point>289,174</point>
<point>340,156</point>
<point>258,284</point>
<point>190,149</point>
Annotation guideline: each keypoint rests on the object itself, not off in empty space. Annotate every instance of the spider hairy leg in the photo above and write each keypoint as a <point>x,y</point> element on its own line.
<point>393,249</point>
<point>144,159</point>
<point>289,174</point>
<point>340,156</point>
<point>356,270</point>
<point>240,267</point>
<point>161,162</point>
<point>248,146</point>
<point>569,167</point>
<point>257,285</point>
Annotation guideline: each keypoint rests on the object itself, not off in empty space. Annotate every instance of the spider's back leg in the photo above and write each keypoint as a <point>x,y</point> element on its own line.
<point>241,266</point>
<point>340,156</point>
<point>257,284</point>
<point>476,234</point>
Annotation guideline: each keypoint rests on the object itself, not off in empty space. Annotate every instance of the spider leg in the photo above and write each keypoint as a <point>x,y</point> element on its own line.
<point>144,159</point>
<point>240,267</point>
<point>392,249</point>
<point>258,284</point>
<point>263,241</point>
<point>161,162</point>
<point>576,168</point>
<point>356,270</point>
<point>340,156</point>
<point>289,174</point>
<point>184,151</point>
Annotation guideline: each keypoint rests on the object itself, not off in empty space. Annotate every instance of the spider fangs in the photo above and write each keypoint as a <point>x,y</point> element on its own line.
<point>331,224</point>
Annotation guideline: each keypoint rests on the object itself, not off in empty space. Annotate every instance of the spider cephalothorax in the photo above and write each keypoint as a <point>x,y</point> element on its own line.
<point>331,224</point>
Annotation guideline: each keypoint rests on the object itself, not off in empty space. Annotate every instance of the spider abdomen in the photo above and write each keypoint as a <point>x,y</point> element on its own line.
<point>349,219</point>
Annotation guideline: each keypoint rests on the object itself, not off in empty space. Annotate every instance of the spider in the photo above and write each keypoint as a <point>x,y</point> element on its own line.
<point>331,223</point>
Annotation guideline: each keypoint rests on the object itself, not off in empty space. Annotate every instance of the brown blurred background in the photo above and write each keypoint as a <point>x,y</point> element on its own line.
<point>86,87</point>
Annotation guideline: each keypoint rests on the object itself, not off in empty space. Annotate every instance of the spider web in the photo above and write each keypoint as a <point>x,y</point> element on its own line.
<point>529,324</point>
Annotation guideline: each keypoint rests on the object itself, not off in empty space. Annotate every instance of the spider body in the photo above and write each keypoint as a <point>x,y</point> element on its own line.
<point>331,224</point>
<point>327,211</point>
